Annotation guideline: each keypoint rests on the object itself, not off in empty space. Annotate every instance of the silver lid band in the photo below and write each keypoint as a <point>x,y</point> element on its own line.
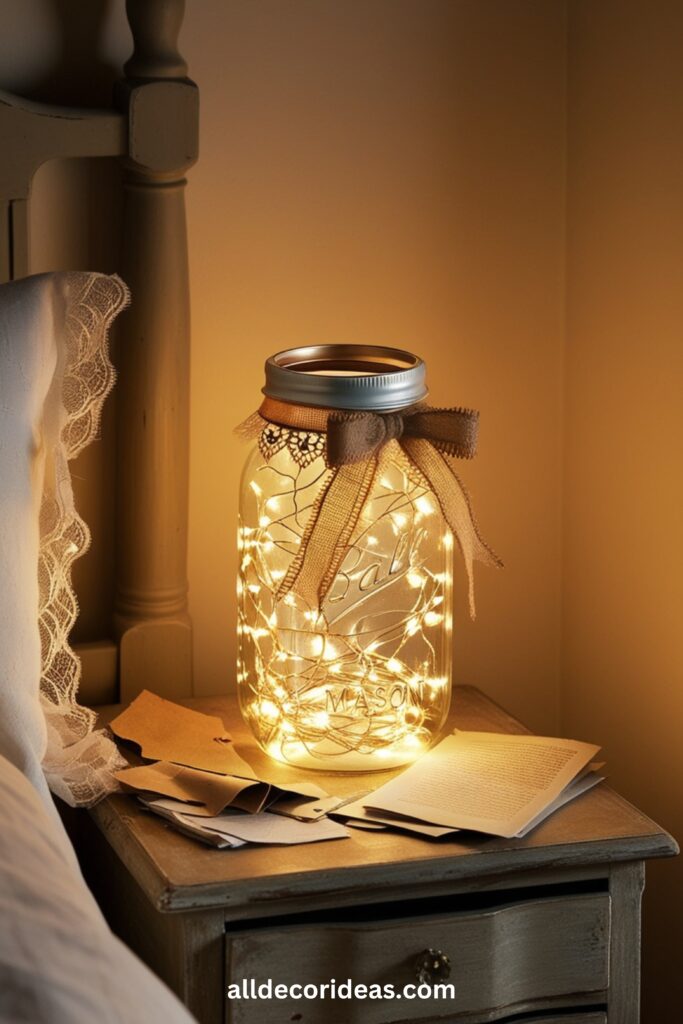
<point>361,377</point>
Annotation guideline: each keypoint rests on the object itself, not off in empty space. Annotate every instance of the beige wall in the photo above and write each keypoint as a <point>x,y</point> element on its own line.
<point>425,172</point>
<point>622,679</point>
<point>388,172</point>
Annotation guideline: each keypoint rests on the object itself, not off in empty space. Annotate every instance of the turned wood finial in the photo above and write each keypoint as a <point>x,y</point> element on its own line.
<point>155,25</point>
<point>162,105</point>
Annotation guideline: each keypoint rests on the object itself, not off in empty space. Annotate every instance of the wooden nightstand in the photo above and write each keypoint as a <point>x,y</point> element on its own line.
<point>537,927</point>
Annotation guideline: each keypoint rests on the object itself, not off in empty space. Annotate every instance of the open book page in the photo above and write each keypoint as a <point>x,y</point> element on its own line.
<point>489,782</point>
<point>574,789</point>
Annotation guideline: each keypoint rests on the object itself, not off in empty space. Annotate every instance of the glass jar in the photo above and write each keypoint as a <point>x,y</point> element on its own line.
<point>360,681</point>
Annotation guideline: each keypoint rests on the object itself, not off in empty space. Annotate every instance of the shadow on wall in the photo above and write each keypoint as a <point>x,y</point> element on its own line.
<point>77,73</point>
<point>70,54</point>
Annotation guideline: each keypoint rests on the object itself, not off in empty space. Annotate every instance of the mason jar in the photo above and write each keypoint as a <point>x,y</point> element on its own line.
<point>356,678</point>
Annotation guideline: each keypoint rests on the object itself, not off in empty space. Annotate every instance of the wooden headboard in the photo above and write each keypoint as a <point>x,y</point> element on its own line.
<point>153,129</point>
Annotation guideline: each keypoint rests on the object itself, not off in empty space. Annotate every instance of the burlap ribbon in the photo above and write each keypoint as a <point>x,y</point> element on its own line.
<point>356,444</point>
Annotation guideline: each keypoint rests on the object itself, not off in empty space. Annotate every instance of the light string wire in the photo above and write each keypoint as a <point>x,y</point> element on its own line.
<point>364,675</point>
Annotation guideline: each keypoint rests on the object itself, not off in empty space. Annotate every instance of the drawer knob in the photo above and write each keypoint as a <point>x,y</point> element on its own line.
<point>432,965</point>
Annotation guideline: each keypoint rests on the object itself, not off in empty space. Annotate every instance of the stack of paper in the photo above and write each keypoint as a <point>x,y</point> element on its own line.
<point>199,782</point>
<point>499,784</point>
<point>236,829</point>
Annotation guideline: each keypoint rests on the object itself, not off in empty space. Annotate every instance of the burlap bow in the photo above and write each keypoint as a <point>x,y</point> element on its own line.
<point>356,443</point>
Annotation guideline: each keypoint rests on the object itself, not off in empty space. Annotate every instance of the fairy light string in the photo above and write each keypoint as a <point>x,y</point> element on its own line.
<point>364,679</point>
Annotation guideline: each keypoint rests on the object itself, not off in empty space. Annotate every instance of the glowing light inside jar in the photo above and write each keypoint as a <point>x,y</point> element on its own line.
<point>362,681</point>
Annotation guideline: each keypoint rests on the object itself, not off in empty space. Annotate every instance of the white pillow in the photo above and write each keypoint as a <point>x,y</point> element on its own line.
<point>59,963</point>
<point>54,376</point>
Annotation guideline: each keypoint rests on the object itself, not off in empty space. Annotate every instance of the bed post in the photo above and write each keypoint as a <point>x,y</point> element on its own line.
<point>152,622</point>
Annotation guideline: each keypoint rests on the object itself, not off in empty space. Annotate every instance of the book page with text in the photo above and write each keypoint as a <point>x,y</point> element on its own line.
<point>489,782</point>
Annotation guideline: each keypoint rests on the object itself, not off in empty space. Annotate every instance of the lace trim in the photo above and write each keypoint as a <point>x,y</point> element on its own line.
<point>304,446</point>
<point>79,761</point>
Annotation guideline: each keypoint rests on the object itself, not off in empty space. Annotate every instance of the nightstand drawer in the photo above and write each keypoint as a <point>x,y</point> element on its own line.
<point>507,958</point>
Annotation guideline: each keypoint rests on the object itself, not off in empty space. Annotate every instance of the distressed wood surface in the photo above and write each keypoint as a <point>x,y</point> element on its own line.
<point>536,928</point>
<point>570,1018</point>
<point>151,620</point>
<point>178,874</point>
<point>516,957</point>
<point>5,240</point>
<point>31,134</point>
<point>154,128</point>
<point>627,882</point>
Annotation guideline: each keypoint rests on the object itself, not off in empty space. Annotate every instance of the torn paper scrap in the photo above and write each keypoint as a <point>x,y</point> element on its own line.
<point>362,815</point>
<point>195,831</point>
<point>242,828</point>
<point>210,791</point>
<point>303,808</point>
<point>166,731</point>
<point>273,828</point>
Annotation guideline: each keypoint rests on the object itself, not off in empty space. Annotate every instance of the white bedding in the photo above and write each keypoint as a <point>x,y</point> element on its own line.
<point>59,962</point>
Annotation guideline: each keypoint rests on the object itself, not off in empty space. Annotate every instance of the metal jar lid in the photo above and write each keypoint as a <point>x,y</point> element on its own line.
<point>368,377</point>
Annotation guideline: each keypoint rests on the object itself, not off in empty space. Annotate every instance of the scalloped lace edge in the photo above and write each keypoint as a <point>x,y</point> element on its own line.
<point>79,760</point>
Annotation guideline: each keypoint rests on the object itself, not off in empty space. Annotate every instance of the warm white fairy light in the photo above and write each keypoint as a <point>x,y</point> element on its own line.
<point>317,645</point>
<point>413,715</point>
<point>320,719</point>
<point>329,652</point>
<point>433,618</point>
<point>267,709</point>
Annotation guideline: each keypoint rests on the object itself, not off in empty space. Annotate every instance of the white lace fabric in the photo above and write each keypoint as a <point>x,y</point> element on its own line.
<point>79,760</point>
